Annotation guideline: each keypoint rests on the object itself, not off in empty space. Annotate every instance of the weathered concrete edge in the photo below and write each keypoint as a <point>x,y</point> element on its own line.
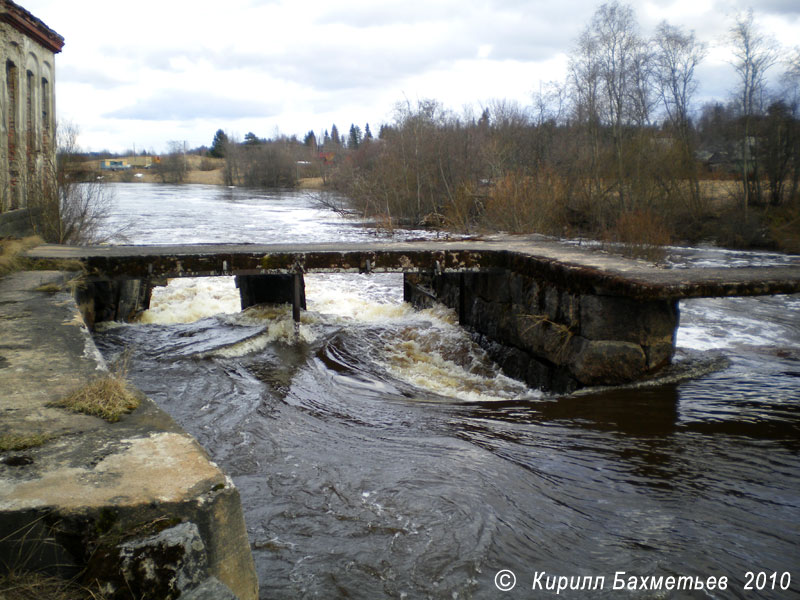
<point>90,477</point>
<point>582,271</point>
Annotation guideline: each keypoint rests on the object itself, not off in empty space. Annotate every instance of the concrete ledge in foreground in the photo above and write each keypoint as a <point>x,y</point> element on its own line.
<point>94,485</point>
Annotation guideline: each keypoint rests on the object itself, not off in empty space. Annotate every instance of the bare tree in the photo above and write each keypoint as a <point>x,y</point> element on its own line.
<point>66,208</point>
<point>617,57</point>
<point>791,81</point>
<point>584,84</point>
<point>172,168</point>
<point>754,54</point>
<point>677,55</point>
<point>791,78</point>
<point>232,150</point>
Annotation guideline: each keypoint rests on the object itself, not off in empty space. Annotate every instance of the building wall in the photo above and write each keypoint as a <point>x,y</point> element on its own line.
<point>27,104</point>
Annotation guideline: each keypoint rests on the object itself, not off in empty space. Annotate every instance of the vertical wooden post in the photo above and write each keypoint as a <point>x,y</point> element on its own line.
<point>297,279</point>
<point>462,300</point>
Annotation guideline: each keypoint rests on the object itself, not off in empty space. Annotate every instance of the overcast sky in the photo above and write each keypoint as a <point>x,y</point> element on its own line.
<point>181,69</point>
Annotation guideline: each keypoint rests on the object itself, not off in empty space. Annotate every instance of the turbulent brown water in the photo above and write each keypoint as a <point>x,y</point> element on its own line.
<point>379,454</point>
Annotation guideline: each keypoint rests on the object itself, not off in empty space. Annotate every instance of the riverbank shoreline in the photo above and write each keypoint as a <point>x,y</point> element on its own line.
<point>768,227</point>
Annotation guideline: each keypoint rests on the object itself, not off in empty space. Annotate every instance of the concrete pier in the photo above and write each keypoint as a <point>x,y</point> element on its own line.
<point>550,337</point>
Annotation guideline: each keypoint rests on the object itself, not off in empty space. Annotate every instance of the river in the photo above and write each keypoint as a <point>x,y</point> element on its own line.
<point>379,454</point>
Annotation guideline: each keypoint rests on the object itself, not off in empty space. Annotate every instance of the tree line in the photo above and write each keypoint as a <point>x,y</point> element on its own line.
<point>612,152</point>
<point>617,150</point>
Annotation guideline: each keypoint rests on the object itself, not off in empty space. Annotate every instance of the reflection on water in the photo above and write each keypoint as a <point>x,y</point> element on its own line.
<point>380,454</point>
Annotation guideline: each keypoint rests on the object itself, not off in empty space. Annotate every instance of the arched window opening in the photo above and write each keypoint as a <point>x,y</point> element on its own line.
<point>12,85</point>
<point>29,120</point>
<point>45,105</point>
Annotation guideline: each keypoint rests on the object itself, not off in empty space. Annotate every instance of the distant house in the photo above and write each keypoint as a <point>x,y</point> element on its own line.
<point>114,164</point>
<point>27,102</point>
<point>129,162</point>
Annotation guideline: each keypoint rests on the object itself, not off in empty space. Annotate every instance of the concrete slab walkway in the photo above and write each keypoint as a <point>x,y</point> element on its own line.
<point>90,478</point>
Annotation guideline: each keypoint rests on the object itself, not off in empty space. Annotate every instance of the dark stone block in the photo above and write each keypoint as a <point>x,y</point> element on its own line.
<point>211,589</point>
<point>159,566</point>
<point>627,320</point>
<point>608,363</point>
<point>269,289</point>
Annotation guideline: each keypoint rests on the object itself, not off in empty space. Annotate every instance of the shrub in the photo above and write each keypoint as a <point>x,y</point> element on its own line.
<point>643,233</point>
<point>784,228</point>
<point>520,203</point>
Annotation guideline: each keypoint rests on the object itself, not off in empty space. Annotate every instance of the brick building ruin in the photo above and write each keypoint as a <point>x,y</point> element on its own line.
<point>27,104</point>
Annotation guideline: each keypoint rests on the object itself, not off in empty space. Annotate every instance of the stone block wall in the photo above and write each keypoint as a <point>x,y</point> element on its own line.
<point>15,223</point>
<point>552,337</point>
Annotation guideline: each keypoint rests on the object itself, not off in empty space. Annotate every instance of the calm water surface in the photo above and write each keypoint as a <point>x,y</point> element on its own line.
<point>379,454</point>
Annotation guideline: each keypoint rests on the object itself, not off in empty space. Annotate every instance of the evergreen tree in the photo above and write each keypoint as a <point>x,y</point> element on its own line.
<point>218,145</point>
<point>384,131</point>
<point>354,139</point>
<point>367,132</point>
<point>310,140</point>
<point>335,135</point>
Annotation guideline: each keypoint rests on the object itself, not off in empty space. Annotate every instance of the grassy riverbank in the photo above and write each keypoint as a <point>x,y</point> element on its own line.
<point>200,170</point>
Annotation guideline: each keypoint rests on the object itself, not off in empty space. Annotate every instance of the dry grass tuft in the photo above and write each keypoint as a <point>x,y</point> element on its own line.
<point>108,397</point>
<point>11,442</point>
<point>32,586</point>
<point>50,288</point>
<point>43,264</point>
<point>11,250</point>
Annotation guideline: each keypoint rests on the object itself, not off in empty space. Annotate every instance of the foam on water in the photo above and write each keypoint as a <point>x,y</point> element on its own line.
<point>422,361</point>
<point>424,349</point>
<point>367,298</point>
<point>190,299</point>
<point>727,323</point>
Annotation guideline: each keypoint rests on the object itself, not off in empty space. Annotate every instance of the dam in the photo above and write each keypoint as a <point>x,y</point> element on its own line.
<point>555,317</point>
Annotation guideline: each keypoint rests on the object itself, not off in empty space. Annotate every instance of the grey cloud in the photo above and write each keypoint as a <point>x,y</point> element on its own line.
<point>779,7</point>
<point>181,105</point>
<point>378,14</point>
<point>411,39</point>
<point>95,78</point>
<point>354,66</point>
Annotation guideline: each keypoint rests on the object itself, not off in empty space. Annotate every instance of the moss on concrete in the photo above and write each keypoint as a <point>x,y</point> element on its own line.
<point>21,441</point>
